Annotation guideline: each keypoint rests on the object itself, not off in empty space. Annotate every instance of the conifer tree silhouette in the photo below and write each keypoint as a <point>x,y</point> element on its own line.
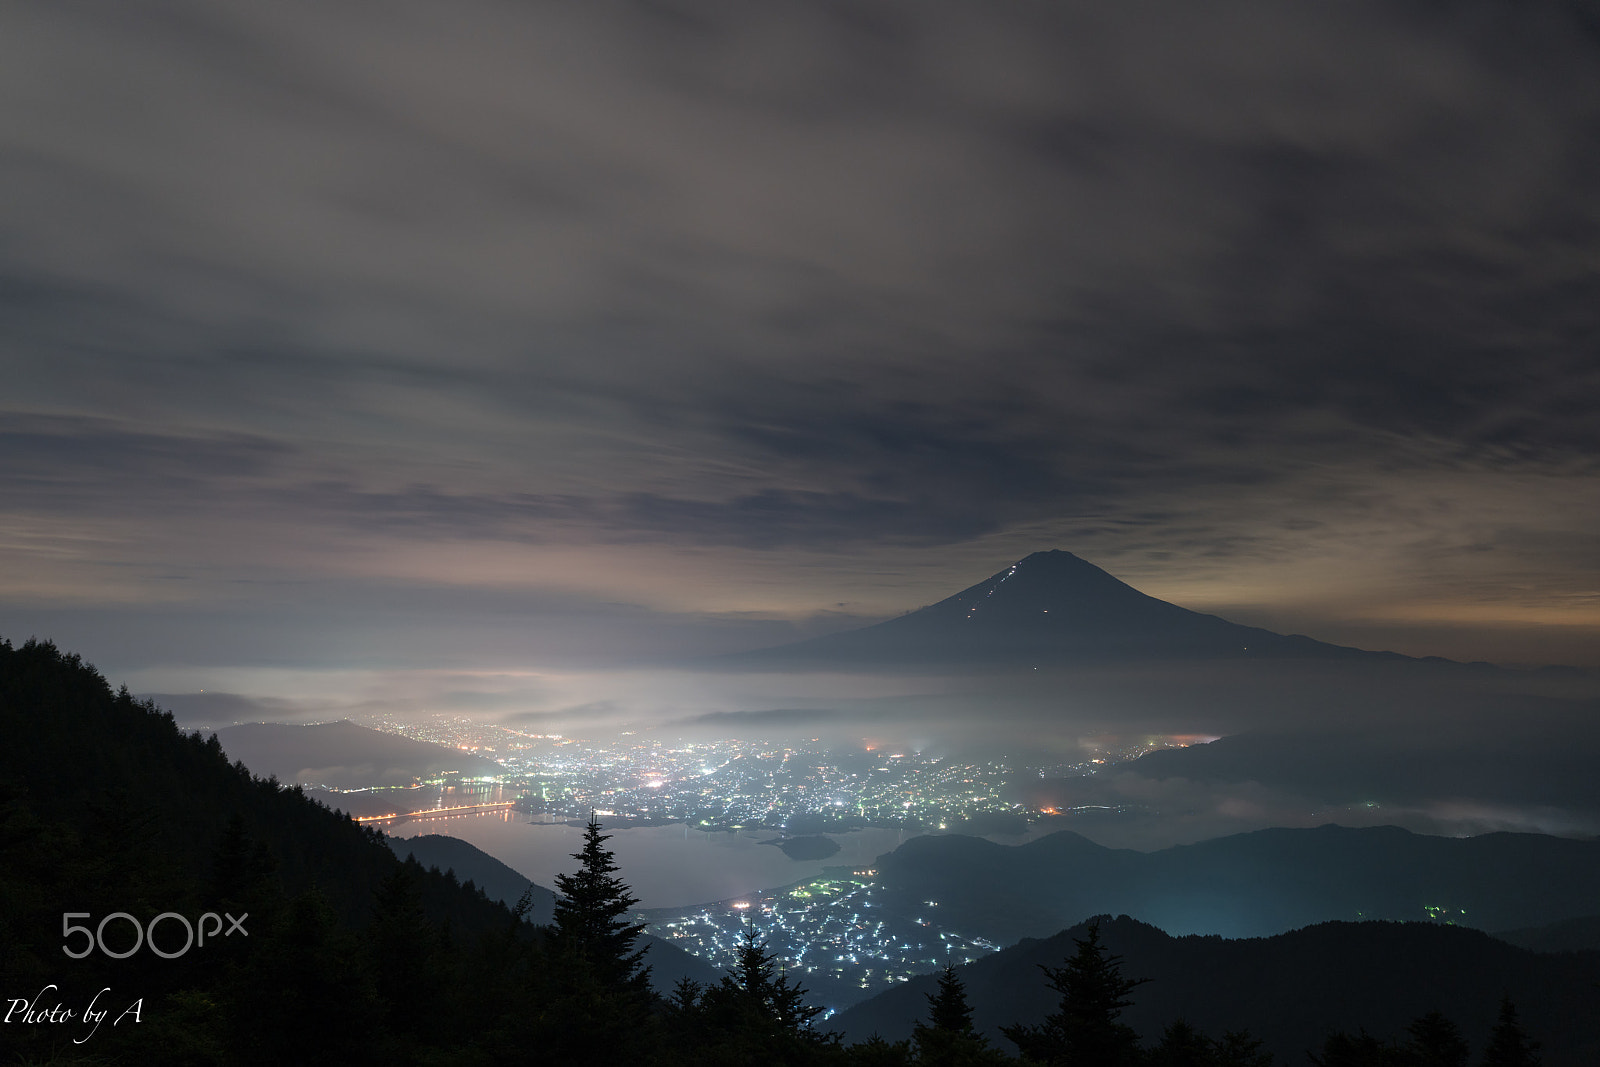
<point>1182,1045</point>
<point>757,1014</point>
<point>596,1007</point>
<point>1341,1049</point>
<point>1435,1041</point>
<point>1084,1031</point>
<point>401,947</point>
<point>778,998</point>
<point>948,1008</point>
<point>1509,1044</point>
<point>1238,1048</point>
<point>948,1039</point>
<point>590,915</point>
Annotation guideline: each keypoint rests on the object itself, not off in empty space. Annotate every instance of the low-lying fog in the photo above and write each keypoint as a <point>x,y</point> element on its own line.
<point>1439,748</point>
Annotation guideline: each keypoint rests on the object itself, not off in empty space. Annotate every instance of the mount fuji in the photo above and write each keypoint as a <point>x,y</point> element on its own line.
<point>1047,608</point>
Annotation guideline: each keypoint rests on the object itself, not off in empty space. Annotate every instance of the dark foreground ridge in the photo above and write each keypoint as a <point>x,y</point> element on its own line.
<point>1291,990</point>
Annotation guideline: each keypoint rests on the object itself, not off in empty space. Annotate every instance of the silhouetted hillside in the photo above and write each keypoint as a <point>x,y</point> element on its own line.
<point>1568,935</point>
<point>345,955</point>
<point>117,780</point>
<point>668,962</point>
<point>469,862</point>
<point>1529,765</point>
<point>106,807</point>
<point>1290,990</point>
<point>1244,885</point>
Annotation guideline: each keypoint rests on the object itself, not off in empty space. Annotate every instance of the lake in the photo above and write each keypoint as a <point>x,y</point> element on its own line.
<point>669,866</point>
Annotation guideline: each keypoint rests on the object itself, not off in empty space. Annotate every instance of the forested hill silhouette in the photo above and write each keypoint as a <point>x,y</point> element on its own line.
<point>349,955</point>
<point>107,807</point>
<point>668,962</point>
<point>498,881</point>
<point>1243,885</point>
<point>1289,990</point>
<point>1568,935</point>
<point>1050,607</point>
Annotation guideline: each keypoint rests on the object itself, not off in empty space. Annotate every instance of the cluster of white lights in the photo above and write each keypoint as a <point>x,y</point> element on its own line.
<point>997,585</point>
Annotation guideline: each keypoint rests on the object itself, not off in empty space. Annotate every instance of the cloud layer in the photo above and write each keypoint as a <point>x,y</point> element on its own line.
<point>691,316</point>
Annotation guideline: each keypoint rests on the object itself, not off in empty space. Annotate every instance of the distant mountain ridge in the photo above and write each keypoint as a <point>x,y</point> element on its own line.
<point>1569,935</point>
<point>1245,885</point>
<point>1289,990</point>
<point>1047,608</point>
<point>471,864</point>
<point>1351,766</point>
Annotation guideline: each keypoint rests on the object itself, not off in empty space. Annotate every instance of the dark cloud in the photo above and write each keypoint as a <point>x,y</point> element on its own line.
<point>352,626</point>
<point>1288,310</point>
<point>81,462</point>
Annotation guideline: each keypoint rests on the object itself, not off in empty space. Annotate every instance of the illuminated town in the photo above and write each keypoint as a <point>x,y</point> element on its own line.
<point>833,937</point>
<point>830,932</point>
<point>739,784</point>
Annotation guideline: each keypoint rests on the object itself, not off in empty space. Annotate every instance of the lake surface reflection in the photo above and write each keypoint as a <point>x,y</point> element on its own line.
<point>669,866</point>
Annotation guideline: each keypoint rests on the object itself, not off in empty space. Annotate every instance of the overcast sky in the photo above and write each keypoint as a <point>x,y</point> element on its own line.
<point>486,337</point>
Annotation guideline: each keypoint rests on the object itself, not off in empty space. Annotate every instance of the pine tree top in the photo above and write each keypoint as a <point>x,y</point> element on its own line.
<point>948,1008</point>
<point>1509,1044</point>
<point>1084,1029</point>
<point>591,910</point>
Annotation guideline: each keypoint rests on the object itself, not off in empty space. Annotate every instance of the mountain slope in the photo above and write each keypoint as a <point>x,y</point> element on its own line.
<point>1527,755</point>
<point>107,809</point>
<point>668,962</point>
<point>109,814</point>
<point>1050,607</point>
<point>472,864</point>
<point>1581,934</point>
<point>1290,989</point>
